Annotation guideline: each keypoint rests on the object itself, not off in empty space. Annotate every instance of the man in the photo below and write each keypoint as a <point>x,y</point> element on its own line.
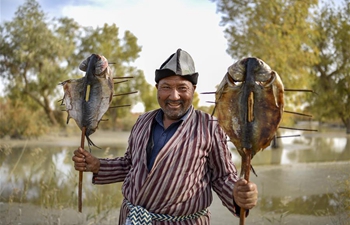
<point>176,155</point>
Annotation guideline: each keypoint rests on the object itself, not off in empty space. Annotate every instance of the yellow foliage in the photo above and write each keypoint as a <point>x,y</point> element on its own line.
<point>17,121</point>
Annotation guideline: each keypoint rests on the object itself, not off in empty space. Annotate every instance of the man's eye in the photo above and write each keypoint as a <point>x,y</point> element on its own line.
<point>183,88</point>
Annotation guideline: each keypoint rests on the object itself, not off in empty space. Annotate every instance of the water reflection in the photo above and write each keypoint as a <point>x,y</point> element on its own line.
<point>46,177</point>
<point>316,205</point>
<point>303,149</point>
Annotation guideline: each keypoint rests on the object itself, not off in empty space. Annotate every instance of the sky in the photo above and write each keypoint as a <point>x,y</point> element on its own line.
<point>161,26</point>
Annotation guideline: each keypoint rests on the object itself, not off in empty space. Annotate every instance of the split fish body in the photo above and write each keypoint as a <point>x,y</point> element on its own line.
<point>250,83</point>
<point>87,99</point>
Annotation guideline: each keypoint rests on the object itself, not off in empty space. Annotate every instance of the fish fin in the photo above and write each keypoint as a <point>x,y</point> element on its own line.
<point>91,143</point>
<point>216,102</point>
<point>253,170</point>
<point>219,93</point>
<point>212,114</point>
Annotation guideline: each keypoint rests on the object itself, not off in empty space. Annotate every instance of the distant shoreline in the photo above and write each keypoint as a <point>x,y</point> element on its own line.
<point>72,137</point>
<point>101,137</point>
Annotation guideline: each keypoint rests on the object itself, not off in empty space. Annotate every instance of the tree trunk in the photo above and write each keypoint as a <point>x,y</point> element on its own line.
<point>45,105</point>
<point>50,114</point>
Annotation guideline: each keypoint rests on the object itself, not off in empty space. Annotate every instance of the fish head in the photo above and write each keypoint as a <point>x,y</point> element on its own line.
<point>250,70</point>
<point>96,64</point>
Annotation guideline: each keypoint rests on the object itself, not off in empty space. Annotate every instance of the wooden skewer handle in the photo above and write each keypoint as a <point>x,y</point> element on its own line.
<point>246,161</point>
<point>80,185</point>
<point>80,191</point>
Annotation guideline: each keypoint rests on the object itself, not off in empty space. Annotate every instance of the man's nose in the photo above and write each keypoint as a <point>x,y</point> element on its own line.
<point>174,94</point>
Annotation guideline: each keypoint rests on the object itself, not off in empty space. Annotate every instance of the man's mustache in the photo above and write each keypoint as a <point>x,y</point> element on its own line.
<point>174,102</point>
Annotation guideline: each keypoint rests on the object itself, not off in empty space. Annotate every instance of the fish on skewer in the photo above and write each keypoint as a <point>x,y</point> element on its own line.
<point>249,105</point>
<point>87,99</point>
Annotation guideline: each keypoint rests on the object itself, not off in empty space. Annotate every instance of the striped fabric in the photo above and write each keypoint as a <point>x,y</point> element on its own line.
<point>193,162</point>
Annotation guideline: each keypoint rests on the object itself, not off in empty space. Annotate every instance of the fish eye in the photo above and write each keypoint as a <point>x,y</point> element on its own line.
<point>234,82</point>
<point>267,82</point>
<point>238,83</point>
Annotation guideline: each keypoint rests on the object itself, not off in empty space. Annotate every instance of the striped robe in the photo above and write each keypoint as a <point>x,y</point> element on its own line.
<point>193,162</point>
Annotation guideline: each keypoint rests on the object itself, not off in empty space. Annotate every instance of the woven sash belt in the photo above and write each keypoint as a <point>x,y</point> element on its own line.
<point>140,216</point>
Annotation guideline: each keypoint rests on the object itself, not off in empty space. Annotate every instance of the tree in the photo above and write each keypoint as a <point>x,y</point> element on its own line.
<point>37,54</point>
<point>276,31</point>
<point>148,95</point>
<point>35,58</point>
<point>332,72</point>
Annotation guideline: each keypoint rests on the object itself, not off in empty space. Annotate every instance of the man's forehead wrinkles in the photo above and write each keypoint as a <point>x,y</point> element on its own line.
<point>175,83</point>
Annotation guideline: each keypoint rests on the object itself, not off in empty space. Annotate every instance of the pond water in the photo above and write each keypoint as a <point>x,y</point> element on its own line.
<point>44,176</point>
<point>306,148</point>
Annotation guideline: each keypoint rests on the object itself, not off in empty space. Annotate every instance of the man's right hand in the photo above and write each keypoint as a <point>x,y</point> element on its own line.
<point>85,161</point>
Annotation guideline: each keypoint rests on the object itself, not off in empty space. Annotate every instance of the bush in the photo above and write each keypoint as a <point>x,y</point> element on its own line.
<point>17,121</point>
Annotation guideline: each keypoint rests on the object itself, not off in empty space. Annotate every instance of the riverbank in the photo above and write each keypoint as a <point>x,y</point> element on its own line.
<point>70,138</point>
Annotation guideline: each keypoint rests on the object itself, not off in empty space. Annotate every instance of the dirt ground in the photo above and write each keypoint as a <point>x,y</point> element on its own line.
<point>276,181</point>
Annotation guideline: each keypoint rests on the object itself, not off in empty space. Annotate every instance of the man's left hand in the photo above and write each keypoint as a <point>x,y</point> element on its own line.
<point>245,194</point>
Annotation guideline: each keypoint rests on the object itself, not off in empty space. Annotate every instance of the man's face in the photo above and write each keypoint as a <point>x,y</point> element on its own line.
<point>175,95</point>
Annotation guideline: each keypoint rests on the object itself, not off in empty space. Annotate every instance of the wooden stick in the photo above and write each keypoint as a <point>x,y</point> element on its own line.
<point>121,77</point>
<point>128,93</point>
<point>118,106</point>
<point>292,128</point>
<point>208,93</point>
<point>300,90</point>
<point>246,161</point>
<point>80,187</point>
<point>297,113</point>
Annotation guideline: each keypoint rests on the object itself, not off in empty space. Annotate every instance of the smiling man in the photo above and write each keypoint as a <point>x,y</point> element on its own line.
<point>176,156</point>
